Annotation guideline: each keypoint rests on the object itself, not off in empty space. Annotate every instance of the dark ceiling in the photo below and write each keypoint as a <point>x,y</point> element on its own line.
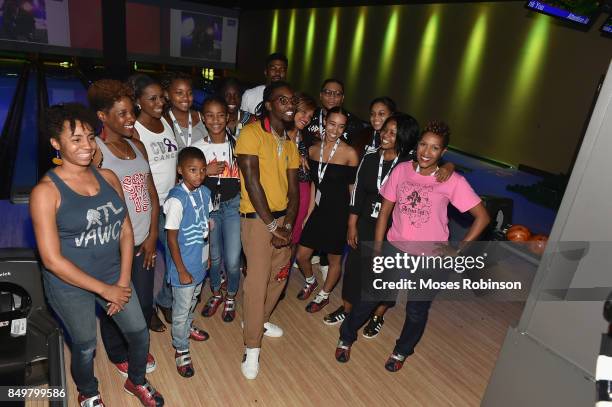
<point>274,4</point>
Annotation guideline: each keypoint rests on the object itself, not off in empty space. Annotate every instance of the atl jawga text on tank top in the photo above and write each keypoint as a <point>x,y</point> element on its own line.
<point>99,231</point>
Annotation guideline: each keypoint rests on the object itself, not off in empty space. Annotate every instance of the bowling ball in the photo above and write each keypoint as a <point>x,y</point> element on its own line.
<point>518,233</point>
<point>537,244</point>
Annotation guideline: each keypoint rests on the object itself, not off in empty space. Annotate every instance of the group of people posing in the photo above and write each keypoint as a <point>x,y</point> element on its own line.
<point>260,183</point>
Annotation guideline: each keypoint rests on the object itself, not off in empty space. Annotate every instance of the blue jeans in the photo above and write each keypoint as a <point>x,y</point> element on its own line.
<point>77,310</point>
<point>142,282</point>
<point>184,301</point>
<point>225,241</point>
<point>164,296</point>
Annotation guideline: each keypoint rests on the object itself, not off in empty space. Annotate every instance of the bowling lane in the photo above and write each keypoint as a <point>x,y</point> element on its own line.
<point>8,84</point>
<point>62,87</point>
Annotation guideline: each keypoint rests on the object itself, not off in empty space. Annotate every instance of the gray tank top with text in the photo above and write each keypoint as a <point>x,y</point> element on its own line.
<point>133,175</point>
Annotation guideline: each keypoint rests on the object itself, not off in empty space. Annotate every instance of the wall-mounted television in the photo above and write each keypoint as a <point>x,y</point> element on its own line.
<point>580,12</point>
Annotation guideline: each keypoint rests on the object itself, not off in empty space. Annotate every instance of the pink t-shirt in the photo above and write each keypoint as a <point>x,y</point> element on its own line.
<point>421,202</point>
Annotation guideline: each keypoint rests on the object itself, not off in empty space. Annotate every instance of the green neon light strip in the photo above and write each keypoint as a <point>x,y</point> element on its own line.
<point>291,35</point>
<point>425,59</point>
<point>386,57</point>
<point>331,44</point>
<point>274,33</point>
<point>356,51</point>
<point>471,62</point>
<point>531,62</point>
<point>308,49</point>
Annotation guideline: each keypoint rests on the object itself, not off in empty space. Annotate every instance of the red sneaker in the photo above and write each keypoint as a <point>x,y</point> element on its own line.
<point>307,290</point>
<point>317,304</point>
<point>148,396</point>
<point>198,334</point>
<point>184,366</point>
<point>211,305</point>
<point>395,362</point>
<point>229,310</point>
<point>123,366</point>
<point>94,401</point>
<point>343,352</point>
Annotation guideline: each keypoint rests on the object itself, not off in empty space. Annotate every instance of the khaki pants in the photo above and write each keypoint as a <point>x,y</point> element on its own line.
<point>261,289</point>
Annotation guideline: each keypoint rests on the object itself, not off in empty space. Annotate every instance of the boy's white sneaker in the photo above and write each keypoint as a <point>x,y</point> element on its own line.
<point>250,363</point>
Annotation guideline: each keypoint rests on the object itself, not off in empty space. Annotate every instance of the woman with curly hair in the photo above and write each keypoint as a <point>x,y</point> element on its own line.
<point>118,151</point>
<point>86,244</point>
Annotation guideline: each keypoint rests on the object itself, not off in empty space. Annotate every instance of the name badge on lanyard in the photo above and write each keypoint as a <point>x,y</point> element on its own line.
<point>380,182</point>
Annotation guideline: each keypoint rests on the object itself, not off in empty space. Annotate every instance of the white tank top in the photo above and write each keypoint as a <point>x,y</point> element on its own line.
<point>162,150</point>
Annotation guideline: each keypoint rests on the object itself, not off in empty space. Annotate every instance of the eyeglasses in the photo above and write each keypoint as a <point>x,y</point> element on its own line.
<point>284,100</point>
<point>332,93</point>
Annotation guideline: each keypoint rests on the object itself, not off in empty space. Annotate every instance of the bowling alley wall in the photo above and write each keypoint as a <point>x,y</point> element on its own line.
<point>515,86</point>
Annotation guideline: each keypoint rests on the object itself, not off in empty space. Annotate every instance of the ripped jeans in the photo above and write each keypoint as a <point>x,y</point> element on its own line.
<point>77,310</point>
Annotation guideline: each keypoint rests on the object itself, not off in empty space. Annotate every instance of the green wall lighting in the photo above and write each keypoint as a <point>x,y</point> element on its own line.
<point>388,49</point>
<point>308,48</point>
<point>425,59</point>
<point>530,66</point>
<point>332,38</point>
<point>471,63</point>
<point>356,50</point>
<point>274,33</point>
<point>291,35</point>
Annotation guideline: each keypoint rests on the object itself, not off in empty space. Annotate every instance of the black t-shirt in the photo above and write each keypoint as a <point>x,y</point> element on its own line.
<point>365,197</point>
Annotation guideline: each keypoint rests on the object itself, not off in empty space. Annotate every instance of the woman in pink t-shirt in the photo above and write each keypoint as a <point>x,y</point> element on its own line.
<point>418,203</point>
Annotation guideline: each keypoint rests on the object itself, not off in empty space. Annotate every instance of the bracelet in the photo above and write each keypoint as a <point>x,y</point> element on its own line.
<point>272,226</point>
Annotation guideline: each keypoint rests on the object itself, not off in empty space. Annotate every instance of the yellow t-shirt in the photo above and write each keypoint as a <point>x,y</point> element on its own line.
<point>272,168</point>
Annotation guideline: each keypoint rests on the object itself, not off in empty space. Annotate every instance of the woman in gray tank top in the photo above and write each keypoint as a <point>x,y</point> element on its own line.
<point>126,158</point>
<point>86,243</point>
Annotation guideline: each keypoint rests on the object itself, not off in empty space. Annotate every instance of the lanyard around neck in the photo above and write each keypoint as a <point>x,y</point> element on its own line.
<point>179,131</point>
<point>321,171</point>
<point>193,202</point>
<point>380,183</point>
<point>373,145</point>
<point>321,128</point>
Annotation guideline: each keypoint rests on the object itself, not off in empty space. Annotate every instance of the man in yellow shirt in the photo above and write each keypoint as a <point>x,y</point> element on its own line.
<point>269,200</point>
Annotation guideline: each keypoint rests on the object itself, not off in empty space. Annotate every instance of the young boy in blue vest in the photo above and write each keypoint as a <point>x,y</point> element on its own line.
<point>187,208</point>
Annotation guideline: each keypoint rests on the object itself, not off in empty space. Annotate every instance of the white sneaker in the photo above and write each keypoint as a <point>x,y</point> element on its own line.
<point>250,363</point>
<point>315,260</point>
<point>272,330</point>
<point>324,270</point>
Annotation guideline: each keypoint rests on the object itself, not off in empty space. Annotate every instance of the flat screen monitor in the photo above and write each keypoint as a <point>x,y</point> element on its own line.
<point>580,12</point>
